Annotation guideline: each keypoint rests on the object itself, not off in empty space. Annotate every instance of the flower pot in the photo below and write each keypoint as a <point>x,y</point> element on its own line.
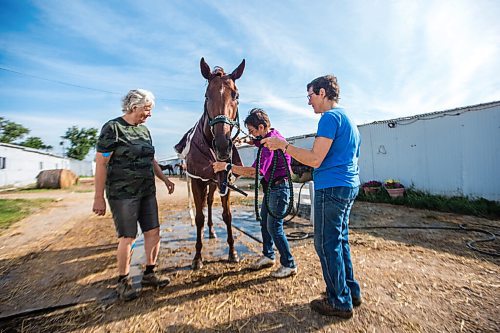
<point>371,190</point>
<point>396,192</point>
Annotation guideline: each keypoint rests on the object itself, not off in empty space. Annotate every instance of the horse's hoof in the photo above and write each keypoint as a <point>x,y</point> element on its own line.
<point>212,234</point>
<point>196,264</point>
<point>233,257</point>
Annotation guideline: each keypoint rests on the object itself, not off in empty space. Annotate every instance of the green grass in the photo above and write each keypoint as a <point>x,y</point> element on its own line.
<point>418,199</point>
<point>13,210</point>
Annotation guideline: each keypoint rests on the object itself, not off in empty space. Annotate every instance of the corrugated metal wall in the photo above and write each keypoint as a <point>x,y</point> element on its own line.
<point>455,152</point>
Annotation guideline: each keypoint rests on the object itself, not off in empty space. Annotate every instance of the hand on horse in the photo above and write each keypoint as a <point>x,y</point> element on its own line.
<point>219,166</point>
<point>99,206</point>
<point>274,143</point>
<point>170,186</point>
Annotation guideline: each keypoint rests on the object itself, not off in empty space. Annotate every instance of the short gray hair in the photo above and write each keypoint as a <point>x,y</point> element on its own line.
<point>138,97</point>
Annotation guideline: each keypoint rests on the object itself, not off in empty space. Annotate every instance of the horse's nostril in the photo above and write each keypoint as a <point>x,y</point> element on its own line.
<point>222,156</point>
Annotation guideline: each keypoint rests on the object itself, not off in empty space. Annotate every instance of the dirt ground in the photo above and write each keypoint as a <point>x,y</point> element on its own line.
<point>413,280</point>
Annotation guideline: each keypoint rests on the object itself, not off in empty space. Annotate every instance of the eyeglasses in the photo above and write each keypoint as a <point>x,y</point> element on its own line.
<point>309,96</point>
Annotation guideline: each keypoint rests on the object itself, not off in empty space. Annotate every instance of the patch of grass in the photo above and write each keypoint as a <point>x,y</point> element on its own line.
<point>35,190</point>
<point>13,210</point>
<point>418,199</point>
<point>85,190</point>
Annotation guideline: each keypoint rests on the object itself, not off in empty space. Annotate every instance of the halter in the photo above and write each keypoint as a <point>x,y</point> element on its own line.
<point>224,119</point>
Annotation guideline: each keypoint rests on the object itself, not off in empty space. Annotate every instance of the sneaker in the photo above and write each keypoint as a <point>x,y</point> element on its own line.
<point>323,307</point>
<point>284,272</point>
<point>356,301</point>
<point>125,290</point>
<point>263,262</point>
<point>151,279</point>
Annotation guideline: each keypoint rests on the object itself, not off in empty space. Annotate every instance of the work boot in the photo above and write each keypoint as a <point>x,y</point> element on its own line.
<point>356,301</point>
<point>152,279</point>
<point>263,262</point>
<point>323,307</point>
<point>125,290</point>
<point>284,272</point>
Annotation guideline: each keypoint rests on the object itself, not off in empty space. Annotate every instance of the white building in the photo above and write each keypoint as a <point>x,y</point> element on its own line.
<point>20,165</point>
<point>452,152</point>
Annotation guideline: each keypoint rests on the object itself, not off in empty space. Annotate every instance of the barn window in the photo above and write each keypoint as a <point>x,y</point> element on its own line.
<point>2,163</point>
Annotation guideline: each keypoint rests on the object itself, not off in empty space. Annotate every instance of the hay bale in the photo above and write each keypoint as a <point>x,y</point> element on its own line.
<point>56,178</point>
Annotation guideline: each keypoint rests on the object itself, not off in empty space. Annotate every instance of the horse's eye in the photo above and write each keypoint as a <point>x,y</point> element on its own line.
<point>235,95</point>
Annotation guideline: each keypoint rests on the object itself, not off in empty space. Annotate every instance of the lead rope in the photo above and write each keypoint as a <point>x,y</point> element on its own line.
<point>268,192</point>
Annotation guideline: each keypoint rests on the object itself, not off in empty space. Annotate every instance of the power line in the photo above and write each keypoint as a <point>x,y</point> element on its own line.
<point>88,88</point>
<point>59,82</point>
<point>250,101</point>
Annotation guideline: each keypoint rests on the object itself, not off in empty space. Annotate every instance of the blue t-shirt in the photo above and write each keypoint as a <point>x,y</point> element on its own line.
<point>340,166</point>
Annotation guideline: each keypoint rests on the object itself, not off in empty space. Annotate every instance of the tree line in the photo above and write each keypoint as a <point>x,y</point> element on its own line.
<point>81,140</point>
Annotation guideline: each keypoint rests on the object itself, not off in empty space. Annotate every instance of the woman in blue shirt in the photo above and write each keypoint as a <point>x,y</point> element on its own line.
<point>334,156</point>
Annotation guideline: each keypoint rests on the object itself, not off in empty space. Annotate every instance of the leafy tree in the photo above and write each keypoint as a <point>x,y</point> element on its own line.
<point>11,131</point>
<point>35,142</point>
<point>81,141</point>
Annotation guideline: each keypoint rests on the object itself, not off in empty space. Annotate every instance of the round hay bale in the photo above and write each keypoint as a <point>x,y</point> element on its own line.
<point>56,178</point>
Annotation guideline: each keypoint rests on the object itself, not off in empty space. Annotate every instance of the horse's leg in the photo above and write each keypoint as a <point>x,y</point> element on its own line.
<point>199,189</point>
<point>210,200</point>
<point>226,216</point>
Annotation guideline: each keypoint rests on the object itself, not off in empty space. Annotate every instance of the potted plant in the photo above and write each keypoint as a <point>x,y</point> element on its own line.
<point>394,188</point>
<point>371,187</point>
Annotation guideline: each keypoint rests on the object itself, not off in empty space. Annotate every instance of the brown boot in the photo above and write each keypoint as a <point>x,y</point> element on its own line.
<point>125,290</point>
<point>356,301</point>
<point>323,307</point>
<point>151,279</point>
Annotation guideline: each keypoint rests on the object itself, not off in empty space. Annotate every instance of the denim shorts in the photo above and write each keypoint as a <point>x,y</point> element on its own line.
<point>127,212</point>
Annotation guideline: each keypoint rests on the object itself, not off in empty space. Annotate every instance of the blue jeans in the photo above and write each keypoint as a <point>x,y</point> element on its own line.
<point>272,229</point>
<point>332,207</point>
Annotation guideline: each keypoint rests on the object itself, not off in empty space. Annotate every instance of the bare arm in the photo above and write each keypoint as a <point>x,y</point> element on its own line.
<point>237,170</point>
<point>311,157</point>
<point>157,170</point>
<point>101,165</point>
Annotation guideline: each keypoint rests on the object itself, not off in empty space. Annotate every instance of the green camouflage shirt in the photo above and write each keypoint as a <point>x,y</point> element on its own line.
<point>130,170</point>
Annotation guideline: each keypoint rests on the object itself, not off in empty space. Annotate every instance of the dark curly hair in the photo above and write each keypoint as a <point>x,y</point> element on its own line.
<point>257,117</point>
<point>327,82</point>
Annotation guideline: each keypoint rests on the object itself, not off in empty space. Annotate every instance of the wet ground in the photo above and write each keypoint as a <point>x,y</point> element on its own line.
<point>178,239</point>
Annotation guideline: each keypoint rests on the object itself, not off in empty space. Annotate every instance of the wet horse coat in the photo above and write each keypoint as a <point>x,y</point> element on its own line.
<point>209,141</point>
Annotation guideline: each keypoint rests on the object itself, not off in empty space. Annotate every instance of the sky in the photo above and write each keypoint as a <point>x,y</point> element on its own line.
<point>68,63</point>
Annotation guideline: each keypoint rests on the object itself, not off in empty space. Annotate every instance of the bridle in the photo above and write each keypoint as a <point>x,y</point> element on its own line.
<point>223,119</point>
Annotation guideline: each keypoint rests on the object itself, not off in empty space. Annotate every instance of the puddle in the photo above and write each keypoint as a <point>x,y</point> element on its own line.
<point>178,239</point>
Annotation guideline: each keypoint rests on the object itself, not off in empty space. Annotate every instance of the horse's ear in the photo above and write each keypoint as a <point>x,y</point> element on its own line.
<point>236,74</point>
<point>205,69</point>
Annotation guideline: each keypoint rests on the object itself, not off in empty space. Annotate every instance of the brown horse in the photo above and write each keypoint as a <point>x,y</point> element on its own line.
<point>211,140</point>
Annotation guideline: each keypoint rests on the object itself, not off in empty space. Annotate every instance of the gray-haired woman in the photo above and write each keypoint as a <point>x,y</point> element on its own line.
<point>126,167</point>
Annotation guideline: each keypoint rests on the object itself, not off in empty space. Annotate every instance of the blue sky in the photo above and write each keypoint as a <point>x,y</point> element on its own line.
<point>392,59</point>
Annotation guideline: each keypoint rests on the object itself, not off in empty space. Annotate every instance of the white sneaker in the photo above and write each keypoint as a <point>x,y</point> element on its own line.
<point>284,272</point>
<point>263,262</point>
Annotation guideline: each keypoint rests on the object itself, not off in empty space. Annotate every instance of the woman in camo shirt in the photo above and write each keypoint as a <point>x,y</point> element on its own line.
<point>125,167</point>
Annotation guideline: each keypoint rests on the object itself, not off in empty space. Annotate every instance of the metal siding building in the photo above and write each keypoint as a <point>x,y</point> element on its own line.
<point>452,152</point>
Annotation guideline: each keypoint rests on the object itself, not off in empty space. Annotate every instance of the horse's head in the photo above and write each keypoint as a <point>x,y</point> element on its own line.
<point>221,106</point>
